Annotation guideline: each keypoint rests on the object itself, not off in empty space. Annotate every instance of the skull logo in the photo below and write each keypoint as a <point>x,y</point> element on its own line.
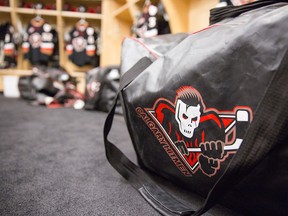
<point>187,117</point>
<point>189,107</point>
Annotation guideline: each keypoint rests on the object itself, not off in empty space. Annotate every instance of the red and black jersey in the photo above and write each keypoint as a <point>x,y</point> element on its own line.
<point>146,25</point>
<point>8,46</point>
<point>81,45</point>
<point>40,42</point>
<point>152,21</point>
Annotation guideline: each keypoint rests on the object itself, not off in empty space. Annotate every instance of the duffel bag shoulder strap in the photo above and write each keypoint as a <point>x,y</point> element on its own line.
<point>259,140</point>
<point>158,198</point>
<point>221,13</point>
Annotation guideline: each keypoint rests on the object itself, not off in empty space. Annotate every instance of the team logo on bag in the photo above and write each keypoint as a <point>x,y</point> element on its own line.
<point>196,138</point>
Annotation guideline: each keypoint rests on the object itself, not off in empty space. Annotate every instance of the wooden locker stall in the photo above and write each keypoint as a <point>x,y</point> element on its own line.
<point>114,22</point>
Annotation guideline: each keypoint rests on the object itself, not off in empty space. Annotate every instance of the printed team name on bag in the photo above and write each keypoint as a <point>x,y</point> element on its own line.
<point>163,139</point>
<point>196,138</point>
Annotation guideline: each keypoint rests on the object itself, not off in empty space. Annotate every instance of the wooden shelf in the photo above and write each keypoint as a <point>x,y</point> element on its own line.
<point>70,14</point>
<point>37,11</point>
<point>14,72</point>
<point>5,9</point>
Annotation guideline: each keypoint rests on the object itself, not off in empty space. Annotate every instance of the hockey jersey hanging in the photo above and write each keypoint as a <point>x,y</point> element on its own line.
<point>81,44</point>
<point>8,46</point>
<point>40,42</point>
<point>152,21</point>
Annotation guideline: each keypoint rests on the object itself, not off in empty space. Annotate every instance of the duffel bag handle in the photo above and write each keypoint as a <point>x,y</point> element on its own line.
<point>153,194</point>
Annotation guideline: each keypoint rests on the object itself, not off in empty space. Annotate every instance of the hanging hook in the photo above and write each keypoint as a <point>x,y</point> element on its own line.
<point>37,7</point>
<point>147,2</point>
<point>82,20</point>
<point>38,17</point>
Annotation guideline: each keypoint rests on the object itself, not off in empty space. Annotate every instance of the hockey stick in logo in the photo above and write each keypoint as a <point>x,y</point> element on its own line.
<point>241,122</point>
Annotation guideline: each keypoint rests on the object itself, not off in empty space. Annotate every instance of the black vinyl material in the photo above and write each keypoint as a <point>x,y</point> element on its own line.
<point>133,49</point>
<point>26,88</point>
<point>230,11</point>
<point>235,70</point>
<point>102,84</point>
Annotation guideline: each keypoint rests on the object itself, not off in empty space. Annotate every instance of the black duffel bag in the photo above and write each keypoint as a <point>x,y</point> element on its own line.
<point>210,116</point>
<point>133,49</point>
<point>26,88</point>
<point>101,88</point>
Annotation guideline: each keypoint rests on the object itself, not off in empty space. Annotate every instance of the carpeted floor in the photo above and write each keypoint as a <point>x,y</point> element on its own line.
<point>52,162</point>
